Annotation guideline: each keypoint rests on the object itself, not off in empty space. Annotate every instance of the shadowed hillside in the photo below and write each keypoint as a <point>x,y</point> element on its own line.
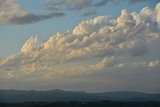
<point>17,96</point>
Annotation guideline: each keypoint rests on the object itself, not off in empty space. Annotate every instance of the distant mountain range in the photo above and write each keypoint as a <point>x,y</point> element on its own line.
<point>15,96</point>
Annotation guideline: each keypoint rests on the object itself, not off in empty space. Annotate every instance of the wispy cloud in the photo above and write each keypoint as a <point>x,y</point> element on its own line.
<point>84,7</point>
<point>136,1</point>
<point>104,2</point>
<point>78,4</point>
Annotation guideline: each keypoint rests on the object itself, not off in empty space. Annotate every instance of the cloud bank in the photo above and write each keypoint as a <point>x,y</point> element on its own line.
<point>121,53</point>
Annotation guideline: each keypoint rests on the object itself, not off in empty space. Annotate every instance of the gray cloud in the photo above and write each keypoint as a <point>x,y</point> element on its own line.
<point>64,5</point>
<point>102,3</point>
<point>78,4</point>
<point>10,13</point>
<point>54,5</point>
<point>136,1</point>
<point>86,7</point>
<point>139,50</point>
<point>105,2</point>
<point>32,18</point>
<point>88,12</point>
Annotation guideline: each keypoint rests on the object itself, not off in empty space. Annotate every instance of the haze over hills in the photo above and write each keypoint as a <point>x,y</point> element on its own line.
<point>16,96</point>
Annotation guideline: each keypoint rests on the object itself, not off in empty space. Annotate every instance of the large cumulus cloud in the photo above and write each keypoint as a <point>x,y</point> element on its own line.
<point>115,51</point>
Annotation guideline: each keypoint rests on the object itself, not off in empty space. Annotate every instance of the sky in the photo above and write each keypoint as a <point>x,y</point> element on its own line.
<point>87,45</point>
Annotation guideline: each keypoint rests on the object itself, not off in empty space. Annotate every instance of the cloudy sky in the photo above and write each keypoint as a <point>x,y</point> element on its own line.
<point>87,45</point>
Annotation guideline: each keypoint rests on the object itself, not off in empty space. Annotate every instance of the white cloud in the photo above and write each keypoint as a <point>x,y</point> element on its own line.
<point>32,45</point>
<point>154,63</point>
<point>106,62</point>
<point>127,45</point>
<point>158,12</point>
<point>125,19</point>
<point>90,26</point>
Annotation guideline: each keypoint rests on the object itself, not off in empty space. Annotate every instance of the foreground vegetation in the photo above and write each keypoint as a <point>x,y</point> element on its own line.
<point>83,104</point>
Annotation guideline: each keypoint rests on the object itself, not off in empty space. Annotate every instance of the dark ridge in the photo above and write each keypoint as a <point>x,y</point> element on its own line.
<point>17,96</point>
